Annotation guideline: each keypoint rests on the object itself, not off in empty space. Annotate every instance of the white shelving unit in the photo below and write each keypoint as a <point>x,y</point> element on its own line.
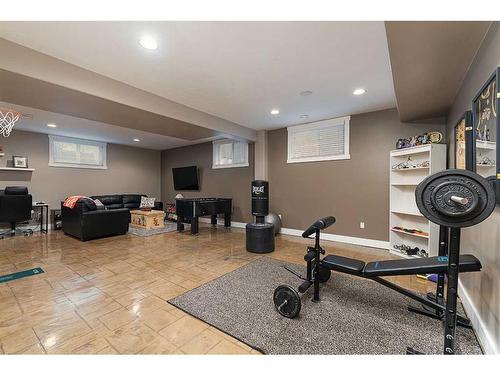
<point>485,149</point>
<point>403,209</point>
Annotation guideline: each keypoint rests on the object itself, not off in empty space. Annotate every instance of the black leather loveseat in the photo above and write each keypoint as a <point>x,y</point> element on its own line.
<point>87,221</point>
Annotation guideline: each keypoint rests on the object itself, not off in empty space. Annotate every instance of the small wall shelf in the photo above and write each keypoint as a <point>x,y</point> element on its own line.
<point>403,208</point>
<point>17,169</point>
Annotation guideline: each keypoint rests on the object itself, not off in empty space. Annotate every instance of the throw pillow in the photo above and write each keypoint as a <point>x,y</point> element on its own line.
<point>147,202</point>
<point>99,204</point>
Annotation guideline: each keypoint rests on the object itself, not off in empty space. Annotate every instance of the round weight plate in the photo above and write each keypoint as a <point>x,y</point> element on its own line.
<point>287,301</point>
<point>324,275</point>
<point>433,197</point>
<point>442,198</point>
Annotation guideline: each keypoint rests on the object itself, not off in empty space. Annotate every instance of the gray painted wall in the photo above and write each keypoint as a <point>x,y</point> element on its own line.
<point>224,183</point>
<point>351,190</point>
<point>130,170</point>
<point>482,240</point>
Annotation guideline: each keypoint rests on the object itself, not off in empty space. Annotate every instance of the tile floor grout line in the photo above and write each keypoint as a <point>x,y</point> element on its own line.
<point>39,341</point>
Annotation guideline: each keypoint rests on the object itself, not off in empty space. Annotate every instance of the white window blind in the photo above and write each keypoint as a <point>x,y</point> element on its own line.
<point>228,153</point>
<point>76,153</point>
<point>319,141</point>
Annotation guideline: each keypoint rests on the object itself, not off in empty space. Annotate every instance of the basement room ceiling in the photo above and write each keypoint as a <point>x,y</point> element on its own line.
<point>238,71</point>
<point>36,120</point>
<point>429,62</point>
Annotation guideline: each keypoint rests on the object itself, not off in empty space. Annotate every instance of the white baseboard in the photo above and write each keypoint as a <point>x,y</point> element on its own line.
<point>344,239</point>
<point>324,236</point>
<point>234,224</point>
<point>485,339</point>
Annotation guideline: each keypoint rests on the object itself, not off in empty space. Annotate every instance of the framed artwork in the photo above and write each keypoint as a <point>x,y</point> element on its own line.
<point>464,142</point>
<point>20,162</point>
<point>486,127</point>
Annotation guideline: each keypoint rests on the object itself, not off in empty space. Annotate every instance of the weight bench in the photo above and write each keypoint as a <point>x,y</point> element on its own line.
<point>399,267</point>
<point>453,199</point>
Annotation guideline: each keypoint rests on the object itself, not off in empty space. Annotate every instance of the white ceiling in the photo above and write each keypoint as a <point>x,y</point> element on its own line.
<point>238,71</point>
<point>70,126</point>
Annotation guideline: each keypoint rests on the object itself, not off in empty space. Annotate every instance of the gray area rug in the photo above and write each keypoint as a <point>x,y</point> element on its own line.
<point>169,227</point>
<point>355,316</point>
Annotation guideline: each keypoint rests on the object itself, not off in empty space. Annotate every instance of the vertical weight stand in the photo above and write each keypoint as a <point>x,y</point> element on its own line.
<point>451,297</point>
<point>444,235</point>
<point>317,259</point>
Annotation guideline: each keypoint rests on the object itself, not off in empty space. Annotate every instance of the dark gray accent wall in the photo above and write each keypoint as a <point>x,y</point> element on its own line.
<point>483,240</point>
<point>352,190</point>
<point>223,183</point>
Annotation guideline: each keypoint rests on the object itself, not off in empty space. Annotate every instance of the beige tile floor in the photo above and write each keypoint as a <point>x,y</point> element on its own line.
<point>109,295</point>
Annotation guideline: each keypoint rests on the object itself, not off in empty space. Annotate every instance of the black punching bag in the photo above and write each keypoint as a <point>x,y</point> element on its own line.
<point>260,198</point>
<point>260,236</point>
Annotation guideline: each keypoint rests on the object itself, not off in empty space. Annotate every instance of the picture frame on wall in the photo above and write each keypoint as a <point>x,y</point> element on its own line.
<point>486,128</point>
<point>464,142</point>
<point>20,162</point>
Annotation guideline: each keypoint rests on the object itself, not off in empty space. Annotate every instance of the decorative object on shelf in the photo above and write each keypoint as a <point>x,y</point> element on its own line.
<point>409,164</point>
<point>419,140</point>
<point>20,162</point>
<point>486,161</point>
<point>411,231</point>
<point>486,125</point>
<point>179,196</point>
<point>408,250</point>
<point>8,117</point>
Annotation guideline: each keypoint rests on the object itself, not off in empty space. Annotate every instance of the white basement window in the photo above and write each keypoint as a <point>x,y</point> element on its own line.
<point>76,153</point>
<point>229,153</point>
<point>319,141</point>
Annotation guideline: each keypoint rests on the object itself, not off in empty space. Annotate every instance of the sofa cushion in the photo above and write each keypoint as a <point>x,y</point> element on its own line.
<point>111,202</point>
<point>86,204</point>
<point>132,200</point>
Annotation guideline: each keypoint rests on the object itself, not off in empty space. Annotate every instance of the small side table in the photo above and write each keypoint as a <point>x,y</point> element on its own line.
<point>44,211</point>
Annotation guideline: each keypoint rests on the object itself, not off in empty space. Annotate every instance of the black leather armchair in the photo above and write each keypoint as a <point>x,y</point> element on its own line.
<point>15,207</point>
<point>86,222</point>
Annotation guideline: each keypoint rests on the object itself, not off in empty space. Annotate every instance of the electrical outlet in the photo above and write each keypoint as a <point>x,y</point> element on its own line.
<point>362,225</point>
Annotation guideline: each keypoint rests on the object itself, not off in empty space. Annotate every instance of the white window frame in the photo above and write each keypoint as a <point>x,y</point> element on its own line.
<point>102,146</point>
<point>320,125</point>
<point>215,155</point>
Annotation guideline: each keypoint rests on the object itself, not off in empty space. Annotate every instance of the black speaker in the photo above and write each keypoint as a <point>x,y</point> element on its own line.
<point>260,198</point>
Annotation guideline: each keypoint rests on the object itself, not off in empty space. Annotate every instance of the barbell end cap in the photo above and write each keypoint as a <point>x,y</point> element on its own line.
<point>460,200</point>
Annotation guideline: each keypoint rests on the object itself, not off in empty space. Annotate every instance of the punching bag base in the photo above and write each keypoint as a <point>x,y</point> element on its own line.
<point>260,238</point>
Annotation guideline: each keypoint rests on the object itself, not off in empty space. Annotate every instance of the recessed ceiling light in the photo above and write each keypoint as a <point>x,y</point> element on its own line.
<point>52,125</point>
<point>275,111</point>
<point>305,93</point>
<point>137,140</point>
<point>148,42</point>
<point>304,116</point>
<point>359,91</point>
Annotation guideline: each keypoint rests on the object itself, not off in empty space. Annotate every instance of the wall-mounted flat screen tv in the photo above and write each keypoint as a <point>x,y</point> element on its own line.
<point>186,178</point>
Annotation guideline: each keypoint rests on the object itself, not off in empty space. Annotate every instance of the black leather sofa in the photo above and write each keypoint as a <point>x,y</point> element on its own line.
<point>87,221</point>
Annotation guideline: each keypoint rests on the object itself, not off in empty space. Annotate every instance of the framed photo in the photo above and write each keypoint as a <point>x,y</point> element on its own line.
<point>464,142</point>
<point>486,128</point>
<point>20,162</point>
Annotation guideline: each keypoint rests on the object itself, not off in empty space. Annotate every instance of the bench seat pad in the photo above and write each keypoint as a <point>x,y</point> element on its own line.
<point>468,263</point>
